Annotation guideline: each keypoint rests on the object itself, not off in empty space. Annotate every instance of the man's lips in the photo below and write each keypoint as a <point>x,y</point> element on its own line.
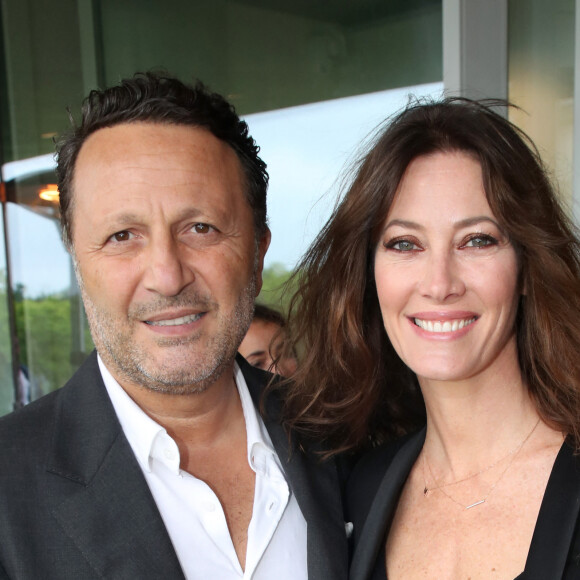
<point>187,319</point>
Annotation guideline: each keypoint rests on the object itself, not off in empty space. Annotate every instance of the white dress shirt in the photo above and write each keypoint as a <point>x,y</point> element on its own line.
<point>192,513</point>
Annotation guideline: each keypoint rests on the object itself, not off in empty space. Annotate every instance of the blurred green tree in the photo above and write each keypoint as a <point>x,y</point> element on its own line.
<point>276,291</point>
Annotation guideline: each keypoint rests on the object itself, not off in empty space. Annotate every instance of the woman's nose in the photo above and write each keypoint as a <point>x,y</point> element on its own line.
<point>442,278</point>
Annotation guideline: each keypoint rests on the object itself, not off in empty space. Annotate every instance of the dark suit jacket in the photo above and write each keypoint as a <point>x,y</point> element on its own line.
<point>377,481</point>
<point>74,503</point>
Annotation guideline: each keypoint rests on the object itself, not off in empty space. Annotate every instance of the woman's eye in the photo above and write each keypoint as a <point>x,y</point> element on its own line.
<point>401,245</point>
<point>480,242</point>
<point>259,362</point>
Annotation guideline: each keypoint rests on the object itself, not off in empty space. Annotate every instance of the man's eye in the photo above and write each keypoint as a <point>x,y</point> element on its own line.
<point>201,228</point>
<point>123,236</point>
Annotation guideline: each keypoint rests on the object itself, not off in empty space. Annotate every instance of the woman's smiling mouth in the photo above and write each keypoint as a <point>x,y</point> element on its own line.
<point>443,325</point>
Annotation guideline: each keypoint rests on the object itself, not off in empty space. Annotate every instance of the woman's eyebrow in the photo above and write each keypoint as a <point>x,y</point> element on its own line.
<point>403,223</point>
<point>464,223</point>
<point>475,220</point>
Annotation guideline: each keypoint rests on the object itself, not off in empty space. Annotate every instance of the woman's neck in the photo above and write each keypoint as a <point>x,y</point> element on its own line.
<point>472,423</point>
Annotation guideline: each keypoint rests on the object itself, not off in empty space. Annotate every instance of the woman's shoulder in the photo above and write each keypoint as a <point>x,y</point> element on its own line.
<point>377,460</point>
<point>369,471</point>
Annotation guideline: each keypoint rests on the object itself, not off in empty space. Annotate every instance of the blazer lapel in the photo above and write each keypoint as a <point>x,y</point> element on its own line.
<point>315,484</point>
<point>554,536</point>
<point>102,500</point>
<point>554,533</point>
<point>372,537</point>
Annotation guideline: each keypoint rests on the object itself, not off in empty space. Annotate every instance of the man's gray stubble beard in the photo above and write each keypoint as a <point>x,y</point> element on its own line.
<point>130,363</point>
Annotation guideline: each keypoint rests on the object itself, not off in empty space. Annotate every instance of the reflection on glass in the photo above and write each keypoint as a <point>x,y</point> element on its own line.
<point>273,55</point>
<point>307,149</point>
<point>51,335</point>
<point>6,381</point>
<point>336,57</point>
<point>541,80</point>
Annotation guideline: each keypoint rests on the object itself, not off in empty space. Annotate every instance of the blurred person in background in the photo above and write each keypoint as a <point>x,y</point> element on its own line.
<point>263,345</point>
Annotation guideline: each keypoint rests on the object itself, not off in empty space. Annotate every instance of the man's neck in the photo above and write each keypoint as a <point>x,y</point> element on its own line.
<point>199,416</point>
<point>209,429</point>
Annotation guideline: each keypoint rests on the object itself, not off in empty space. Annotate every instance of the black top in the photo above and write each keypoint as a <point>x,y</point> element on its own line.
<point>380,572</point>
<point>375,486</point>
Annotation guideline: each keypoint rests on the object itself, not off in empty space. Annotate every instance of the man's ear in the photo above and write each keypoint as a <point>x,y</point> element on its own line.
<point>263,245</point>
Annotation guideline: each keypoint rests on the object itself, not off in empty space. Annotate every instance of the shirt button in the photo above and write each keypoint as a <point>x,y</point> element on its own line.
<point>169,453</point>
<point>271,506</point>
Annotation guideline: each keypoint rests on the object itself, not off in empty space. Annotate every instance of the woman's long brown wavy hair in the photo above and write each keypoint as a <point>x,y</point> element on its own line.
<point>351,387</point>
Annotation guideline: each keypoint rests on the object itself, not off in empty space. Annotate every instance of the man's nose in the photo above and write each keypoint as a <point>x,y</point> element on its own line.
<point>166,270</point>
<point>442,277</point>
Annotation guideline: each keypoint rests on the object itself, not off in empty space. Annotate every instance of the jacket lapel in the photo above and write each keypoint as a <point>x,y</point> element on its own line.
<point>315,484</point>
<point>102,501</point>
<point>553,537</point>
<point>373,534</point>
<point>554,550</point>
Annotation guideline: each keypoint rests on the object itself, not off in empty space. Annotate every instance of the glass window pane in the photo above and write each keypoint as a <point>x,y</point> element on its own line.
<point>311,78</point>
<point>51,334</point>
<point>308,149</point>
<point>541,80</point>
<point>43,74</point>
<point>6,377</point>
<point>272,54</point>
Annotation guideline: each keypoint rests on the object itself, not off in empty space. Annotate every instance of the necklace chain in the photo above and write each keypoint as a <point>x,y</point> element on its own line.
<point>471,475</point>
<point>440,487</point>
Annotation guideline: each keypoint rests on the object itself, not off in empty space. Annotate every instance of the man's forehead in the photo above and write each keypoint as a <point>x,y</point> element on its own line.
<point>149,138</point>
<point>149,151</point>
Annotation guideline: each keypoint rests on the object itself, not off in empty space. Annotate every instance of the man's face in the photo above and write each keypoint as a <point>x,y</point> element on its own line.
<point>165,253</point>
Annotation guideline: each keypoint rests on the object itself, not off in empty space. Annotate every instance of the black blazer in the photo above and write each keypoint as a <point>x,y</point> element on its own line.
<point>377,481</point>
<point>74,503</point>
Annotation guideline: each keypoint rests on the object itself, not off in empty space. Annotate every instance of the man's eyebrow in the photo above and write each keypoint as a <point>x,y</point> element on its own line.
<point>123,218</point>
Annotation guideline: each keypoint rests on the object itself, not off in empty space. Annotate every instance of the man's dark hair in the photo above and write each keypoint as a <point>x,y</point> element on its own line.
<point>155,98</point>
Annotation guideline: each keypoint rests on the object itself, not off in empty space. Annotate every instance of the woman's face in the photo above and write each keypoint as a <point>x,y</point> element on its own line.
<point>446,273</point>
